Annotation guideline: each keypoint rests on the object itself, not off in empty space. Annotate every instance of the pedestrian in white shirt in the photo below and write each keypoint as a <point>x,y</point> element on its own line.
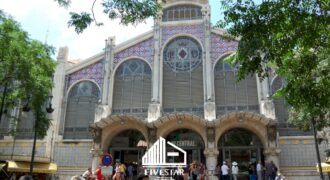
<point>259,170</point>
<point>234,170</point>
<point>225,171</point>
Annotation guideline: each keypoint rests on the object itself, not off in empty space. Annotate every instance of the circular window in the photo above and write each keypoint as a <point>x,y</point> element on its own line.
<point>183,54</point>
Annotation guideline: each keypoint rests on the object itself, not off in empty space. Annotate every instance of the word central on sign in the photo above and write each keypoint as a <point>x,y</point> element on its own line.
<point>184,143</point>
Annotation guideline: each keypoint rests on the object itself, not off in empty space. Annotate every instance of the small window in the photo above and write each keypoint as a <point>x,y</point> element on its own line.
<point>182,12</point>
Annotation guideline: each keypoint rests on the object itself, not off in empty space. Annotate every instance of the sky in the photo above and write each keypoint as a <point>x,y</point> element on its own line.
<point>45,21</point>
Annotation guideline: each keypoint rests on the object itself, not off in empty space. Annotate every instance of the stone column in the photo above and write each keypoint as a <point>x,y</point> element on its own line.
<point>154,111</point>
<point>209,105</point>
<point>96,154</point>
<point>272,150</point>
<point>272,154</point>
<point>96,150</point>
<point>211,155</point>
<point>109,54</point>
<point>58,91</point>
<point>103,110</point>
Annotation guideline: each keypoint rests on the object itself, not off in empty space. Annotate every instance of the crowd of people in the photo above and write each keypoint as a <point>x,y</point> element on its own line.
<point>256,171</point>
<point>195,171</point>
<point>120,172</point>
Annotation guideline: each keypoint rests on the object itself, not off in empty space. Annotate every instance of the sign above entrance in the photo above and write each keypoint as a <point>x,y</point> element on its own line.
<point>107,160</point>
<point>184,143</point>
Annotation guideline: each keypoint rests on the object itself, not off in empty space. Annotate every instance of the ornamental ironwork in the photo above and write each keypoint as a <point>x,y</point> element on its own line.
<point>183,54</point>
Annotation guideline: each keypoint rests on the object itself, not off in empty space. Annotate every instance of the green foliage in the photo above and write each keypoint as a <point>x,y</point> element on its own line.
<point>292,37</point>
<point>128,11</point>
<point>63,3</point>
<point>80,21</point>
<point>26,68</point>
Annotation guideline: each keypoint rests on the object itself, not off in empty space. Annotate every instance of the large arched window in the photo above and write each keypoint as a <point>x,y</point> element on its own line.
<point>182,12</point>
<point>80,111</point>
<point>281,111</point>
<point>183,76</point>
<point>132,88</point>
<point>280,108</point>
<point>232,95</point>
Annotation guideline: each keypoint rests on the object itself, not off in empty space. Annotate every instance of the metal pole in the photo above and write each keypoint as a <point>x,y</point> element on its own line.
<point>34,144</point>
<point>317,150</point>
<point>3,100</point>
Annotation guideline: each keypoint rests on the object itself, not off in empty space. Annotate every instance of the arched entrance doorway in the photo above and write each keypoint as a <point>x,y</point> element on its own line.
<point>128,147</point>
<point>242,146</point>
<point>190,141</point>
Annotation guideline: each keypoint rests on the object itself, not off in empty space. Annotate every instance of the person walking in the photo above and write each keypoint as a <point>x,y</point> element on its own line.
<point>130,170</point>
<point>234,170</point>
<point>225,171</point>
<point>194,170</point>
<point>88,174</point>
<point>259,170</point>
<point>270,170</point>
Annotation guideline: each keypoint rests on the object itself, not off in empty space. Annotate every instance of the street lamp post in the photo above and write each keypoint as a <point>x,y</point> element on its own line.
<point>3,100</point>
<point>49,109</point>
<point>317,150</point>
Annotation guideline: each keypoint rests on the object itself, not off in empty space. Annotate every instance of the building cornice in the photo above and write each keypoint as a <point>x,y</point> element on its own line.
<point>133,41</point>
<point>182,3</point>
<point>182,23</point>
<point>85,63</point>
<point>101,55</point>
<point>221,32</point>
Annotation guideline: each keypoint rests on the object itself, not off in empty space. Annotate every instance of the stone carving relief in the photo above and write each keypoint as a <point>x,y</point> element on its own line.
<point>210,134</point>
<point>96,133</point>
<point>152,133</point>
<point>271,131</point>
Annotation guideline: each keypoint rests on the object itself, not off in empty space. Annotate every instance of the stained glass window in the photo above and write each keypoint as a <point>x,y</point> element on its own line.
<point>183,54</point>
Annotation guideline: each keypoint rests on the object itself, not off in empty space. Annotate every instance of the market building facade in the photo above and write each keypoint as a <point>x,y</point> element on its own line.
<point>169,82</point>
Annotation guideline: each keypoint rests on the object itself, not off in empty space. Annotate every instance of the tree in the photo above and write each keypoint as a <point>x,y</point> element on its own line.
<point>128,11</point>
<point>26,71</point>
<point>292,37</point>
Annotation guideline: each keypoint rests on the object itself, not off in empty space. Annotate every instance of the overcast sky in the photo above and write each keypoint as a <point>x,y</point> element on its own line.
<point>46,21</point>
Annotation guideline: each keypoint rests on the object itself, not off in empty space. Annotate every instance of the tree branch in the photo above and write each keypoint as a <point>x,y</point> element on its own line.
<point>92,9</point>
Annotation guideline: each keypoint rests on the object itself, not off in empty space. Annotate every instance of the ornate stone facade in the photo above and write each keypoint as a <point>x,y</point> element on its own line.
<point>75,155</point>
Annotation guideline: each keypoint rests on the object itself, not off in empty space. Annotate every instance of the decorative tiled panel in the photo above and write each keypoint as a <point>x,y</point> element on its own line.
<point>194,30</point>
<point>73,154</point>
<point>299,154</point>
<point>219,46</point>
<point>92,72</point>
<point>144,50</point>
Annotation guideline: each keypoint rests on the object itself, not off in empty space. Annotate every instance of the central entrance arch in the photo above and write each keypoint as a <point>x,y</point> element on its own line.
<point>190,141</point>
<point>242,146</point>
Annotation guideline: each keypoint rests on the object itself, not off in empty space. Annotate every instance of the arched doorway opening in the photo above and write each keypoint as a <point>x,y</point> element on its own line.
<point>242,146</point>
<point>191,142</point>
<point>128,146</point>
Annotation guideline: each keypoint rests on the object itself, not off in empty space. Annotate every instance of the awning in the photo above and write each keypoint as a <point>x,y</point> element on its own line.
<point>47,168</point>
<point>325,167</point>
<point>2,165</point>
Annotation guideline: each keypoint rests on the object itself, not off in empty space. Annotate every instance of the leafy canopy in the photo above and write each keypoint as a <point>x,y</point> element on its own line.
<point>26,69</point>
<point>128,11</point>
<point>292,37</point>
